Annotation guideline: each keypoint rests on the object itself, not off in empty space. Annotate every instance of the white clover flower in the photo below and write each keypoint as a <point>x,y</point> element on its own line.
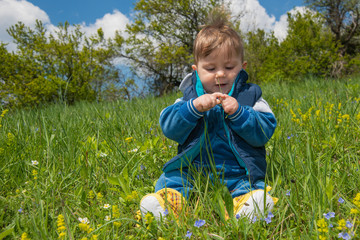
<point>84,220</point>
<point>103,154</point>
<point>134,150</point>
<point>106,206</point>
<point>107,218</point>
<point>34,162</point>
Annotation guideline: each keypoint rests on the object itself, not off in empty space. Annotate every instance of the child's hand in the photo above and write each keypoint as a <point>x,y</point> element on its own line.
<point>208,101</point>
<point>229,104</point>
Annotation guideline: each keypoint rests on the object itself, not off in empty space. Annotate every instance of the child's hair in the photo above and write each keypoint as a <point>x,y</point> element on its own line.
<point>217,34</point>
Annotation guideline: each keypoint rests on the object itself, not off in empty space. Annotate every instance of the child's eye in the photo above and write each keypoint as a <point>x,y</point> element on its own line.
<point>229,68</point>
<point>210,69</point>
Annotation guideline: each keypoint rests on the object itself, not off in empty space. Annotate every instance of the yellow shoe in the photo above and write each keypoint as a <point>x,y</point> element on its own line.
<point>161,202</point>
<point>253,203</point>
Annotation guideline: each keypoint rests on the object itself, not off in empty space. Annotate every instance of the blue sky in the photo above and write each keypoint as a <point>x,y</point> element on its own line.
<point>77,11</point>
<point>113,15</point>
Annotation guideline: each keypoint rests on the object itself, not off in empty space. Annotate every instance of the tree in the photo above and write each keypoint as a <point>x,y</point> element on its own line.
<point>62,66</point>
<point>343,18</point>
<point>160,41</point>
<point>259,47</point>
<point>308,49</point>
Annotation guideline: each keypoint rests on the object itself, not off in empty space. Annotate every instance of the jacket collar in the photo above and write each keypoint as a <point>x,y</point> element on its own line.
<point>193,80</point>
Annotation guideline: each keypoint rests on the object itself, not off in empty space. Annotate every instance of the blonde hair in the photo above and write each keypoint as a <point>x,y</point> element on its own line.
<point>217,34</point>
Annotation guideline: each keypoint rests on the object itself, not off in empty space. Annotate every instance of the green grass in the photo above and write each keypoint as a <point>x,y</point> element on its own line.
<point>90,155</point>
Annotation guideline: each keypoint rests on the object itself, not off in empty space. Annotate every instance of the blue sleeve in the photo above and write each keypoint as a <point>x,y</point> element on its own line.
<point>178,120</point>
<point>255,127</point>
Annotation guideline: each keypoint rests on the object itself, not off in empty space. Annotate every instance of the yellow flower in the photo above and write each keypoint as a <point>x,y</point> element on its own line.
<point>99,195</point>
<point>94,237</point>
<point>322,225</point>
<point>342,224</point>
<point>61,228</point>
<point>358,117</point>
<point>354,211</point>
<point>322,237</point>
<point>133,196</point>
<point>128,139</point>
<point>34,173</point>
<point>138,215</point>
<point>115,211</point>
<point>356,200</point>
<point>4,112</point>
<point>84,227</point>
<point>160,238</point>
<point>117,224</point>
<point>62,235</point>
<point>91,194</point>
<point>149,218</point>
<point>24,236</point>
<point>346,117</point>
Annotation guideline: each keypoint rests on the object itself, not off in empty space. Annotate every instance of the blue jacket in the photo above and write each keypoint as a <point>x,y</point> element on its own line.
<point>247,130</point>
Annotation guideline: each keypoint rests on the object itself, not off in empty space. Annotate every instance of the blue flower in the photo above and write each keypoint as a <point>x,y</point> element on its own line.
<point>237,216</point>
<point>267,220</point>
<point>142,167</point>
<point>20,210</point>
<point>199,223</point>
<point>254,219</point>
<point>349,224</point>
<point>341,200</point>
<point>329,215</point>
<point>188,234</point>
<point>331,226</point>
<point>344,235</point>
<point>166,212</point>
<point>288,193</point>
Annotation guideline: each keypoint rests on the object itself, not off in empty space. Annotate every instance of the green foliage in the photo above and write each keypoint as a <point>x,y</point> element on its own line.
<point>308,49</point>
<point>64,66</point>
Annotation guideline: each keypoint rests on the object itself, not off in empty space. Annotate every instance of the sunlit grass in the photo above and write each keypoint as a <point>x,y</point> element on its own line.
<point>73,172</point>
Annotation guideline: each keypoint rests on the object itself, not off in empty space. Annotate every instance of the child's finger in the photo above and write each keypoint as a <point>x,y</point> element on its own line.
<point>218,94</point>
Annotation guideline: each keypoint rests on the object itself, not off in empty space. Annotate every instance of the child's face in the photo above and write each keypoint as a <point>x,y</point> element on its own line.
<point>218,69</point>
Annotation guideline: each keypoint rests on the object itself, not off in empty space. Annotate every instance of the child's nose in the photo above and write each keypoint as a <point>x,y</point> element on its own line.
<point>220,74</point>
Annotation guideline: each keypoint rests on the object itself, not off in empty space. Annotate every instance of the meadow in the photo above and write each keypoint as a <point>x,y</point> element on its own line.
<point>79,172</point>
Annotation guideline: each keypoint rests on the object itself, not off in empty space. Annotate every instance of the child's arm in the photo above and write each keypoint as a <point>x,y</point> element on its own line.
<point>178,120</point>
<point>254,124</point>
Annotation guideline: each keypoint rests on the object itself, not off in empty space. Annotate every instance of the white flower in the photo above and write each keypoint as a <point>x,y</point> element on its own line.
<point>134,150</point>
<point>107,218</point>
<point>84,220</point>
<point>34,162</point>
<point>106,206</point>
<point>103,154</point>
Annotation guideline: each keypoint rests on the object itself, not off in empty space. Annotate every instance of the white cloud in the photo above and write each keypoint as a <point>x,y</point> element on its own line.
<point>109,24</point>
<point>253,16</point>
<point>280,27</point>
<point>12,11</point>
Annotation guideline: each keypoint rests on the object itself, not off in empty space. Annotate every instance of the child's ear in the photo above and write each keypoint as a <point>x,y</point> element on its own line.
<point>244,65</point>
<point>194,67</point>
